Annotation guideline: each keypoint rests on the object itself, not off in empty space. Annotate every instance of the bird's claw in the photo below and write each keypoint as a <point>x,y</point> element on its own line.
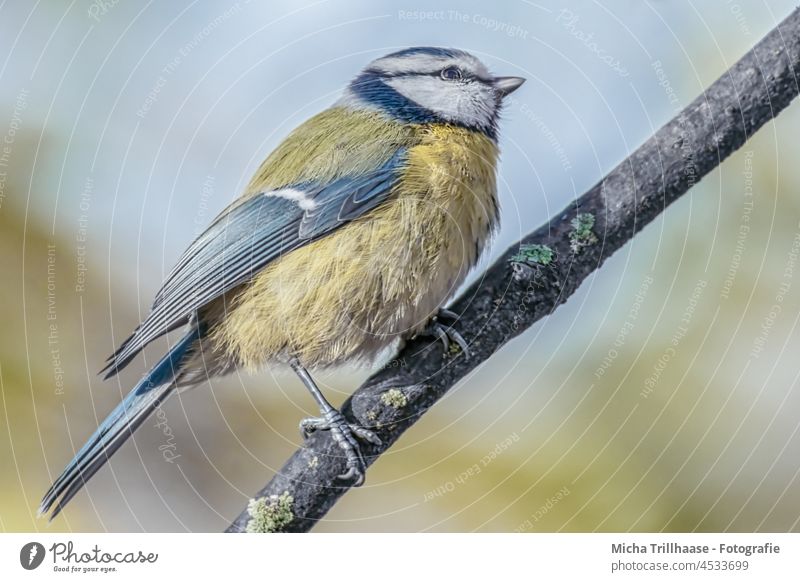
<point>446,333</point>
<point>345,435</point>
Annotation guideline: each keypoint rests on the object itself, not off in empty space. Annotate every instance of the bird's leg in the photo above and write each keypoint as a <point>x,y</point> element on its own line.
<point>343,433</point>
<point>446,333</point>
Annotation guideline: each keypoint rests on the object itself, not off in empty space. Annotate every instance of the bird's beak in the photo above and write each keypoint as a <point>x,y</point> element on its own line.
<point>507,85</point>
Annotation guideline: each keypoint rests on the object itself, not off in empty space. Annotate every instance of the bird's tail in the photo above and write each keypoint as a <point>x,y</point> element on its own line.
<point>148,394</point>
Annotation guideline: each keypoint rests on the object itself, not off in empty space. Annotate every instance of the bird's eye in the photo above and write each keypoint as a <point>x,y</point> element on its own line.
<point>451,74</point>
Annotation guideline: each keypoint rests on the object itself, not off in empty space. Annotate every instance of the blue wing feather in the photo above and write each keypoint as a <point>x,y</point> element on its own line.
<point>248,236</point>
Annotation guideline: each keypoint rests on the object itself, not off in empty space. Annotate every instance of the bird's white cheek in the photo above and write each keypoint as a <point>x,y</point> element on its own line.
<point>428,92</point>
<point>455,102</point>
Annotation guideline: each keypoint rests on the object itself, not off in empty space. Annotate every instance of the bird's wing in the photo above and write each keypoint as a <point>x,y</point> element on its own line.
<point>249,235</point>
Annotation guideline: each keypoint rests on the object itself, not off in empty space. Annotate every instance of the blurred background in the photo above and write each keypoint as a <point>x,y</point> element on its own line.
<point>662,397</point>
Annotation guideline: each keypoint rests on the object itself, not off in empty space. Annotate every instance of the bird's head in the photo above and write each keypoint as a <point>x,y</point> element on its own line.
<point>429,84</point>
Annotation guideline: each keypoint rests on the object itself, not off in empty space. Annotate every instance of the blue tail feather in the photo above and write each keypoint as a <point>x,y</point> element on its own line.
<point>129,414</point>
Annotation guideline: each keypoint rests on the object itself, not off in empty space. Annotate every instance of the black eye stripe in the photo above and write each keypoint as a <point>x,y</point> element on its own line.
<point>465,76</point>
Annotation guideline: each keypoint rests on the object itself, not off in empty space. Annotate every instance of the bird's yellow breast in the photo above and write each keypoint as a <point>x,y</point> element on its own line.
<point>351,293</point>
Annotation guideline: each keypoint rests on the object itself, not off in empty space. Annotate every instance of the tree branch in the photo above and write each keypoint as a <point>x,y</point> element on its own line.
<point>519,290</point>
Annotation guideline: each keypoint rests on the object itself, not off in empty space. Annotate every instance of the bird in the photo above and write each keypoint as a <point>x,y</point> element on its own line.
<point>349,238</point>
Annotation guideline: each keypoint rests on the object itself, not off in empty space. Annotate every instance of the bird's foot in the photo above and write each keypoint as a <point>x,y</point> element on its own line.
<point>345,435</point>
<point>446,333</point>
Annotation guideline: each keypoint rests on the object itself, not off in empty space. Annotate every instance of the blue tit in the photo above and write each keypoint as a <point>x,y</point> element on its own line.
<point>351,235</point>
